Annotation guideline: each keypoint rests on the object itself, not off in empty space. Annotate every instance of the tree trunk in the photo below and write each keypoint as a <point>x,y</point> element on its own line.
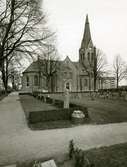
<point>49,84</point>
<point>117,81</point>
<point>13,82</point>
<point>90,82</point>
<point>95,81</point>
<point>95,69</point>
<point>52,84</point>
<point>5,81</point>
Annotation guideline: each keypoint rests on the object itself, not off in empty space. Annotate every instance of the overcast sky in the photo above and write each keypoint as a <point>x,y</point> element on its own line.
<point>108,24</point>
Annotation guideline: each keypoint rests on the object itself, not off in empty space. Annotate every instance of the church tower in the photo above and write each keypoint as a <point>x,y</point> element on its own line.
<point>86,51</point>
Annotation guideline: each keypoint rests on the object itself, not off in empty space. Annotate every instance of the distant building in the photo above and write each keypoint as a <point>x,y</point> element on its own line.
<point>108,82</point>
<point>76,76</point>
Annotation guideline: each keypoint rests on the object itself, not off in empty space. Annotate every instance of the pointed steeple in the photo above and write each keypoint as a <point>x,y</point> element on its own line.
<point>87,35</point>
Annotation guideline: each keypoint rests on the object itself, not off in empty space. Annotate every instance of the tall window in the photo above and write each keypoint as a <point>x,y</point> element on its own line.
<point>81,84</point>
<point>85,82</point>
<point>92,56</point>
<point>68,85</point>
<point>36,80</point>
<point>27,81</point>
<point>88,56</point>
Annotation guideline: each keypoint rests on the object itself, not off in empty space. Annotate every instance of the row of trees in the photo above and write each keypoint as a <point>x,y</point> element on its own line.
<point>23,34</point>
<point>119,69</point>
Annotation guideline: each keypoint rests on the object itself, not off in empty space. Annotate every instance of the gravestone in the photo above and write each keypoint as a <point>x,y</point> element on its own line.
<point>66,98</point>
<point>78,117</point>
<point>12,165</point>
<point>126,96</point>
<point>50,163</point>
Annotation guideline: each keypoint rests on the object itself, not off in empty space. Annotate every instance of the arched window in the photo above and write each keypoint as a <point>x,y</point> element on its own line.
<point>36,80</point>
<point>27,81</point>
<point>68,85</point>
<point>85,82</point>
<point>88,56</point>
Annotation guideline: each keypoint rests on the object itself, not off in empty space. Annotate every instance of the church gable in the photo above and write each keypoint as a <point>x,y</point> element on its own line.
<point>33,67</point>
<point>69,65</point>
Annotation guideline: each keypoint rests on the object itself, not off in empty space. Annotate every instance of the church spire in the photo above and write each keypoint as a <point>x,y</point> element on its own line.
<point>87,35</point>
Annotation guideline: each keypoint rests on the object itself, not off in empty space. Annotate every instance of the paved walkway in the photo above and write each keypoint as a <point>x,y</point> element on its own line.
<point>19,143</point>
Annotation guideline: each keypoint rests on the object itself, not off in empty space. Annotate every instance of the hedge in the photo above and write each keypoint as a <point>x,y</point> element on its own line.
<point>49,115</point>
<point>54,115</point>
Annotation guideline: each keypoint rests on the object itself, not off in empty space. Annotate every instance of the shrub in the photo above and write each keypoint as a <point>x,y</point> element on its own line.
<point>71,149</point>
<point>54,115</point>
<point>78,155</point>
<point>49,115</point>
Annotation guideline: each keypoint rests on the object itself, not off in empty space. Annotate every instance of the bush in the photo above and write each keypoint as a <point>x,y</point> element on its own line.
<point>79,107</point>
<point>71,149</point>
<point>49,115</point>
<point>78,156</point>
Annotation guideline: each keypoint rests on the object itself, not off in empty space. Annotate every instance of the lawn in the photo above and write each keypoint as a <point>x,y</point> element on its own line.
<point>30,104</point>
<point>113,156</point>
<point>103,111</point>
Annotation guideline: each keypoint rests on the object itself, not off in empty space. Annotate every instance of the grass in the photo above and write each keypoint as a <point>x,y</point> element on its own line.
<point>30,103</point>
<point>103,111</point>
<point>112,156</point>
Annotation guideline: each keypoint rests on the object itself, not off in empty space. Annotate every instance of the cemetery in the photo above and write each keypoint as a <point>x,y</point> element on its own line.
<point>52,112</point>
<point>77,157</point>
<point>56,110</point>
<point>63,87</point>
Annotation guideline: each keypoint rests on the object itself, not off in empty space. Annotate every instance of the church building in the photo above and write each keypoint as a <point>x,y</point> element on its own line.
<point>75,76</point>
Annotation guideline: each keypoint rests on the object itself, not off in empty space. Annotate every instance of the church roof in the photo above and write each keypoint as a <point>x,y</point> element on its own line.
<point>33,67</point>
<point>87,35</point>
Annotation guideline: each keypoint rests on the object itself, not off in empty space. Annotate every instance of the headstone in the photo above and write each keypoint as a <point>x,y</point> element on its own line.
<point>66,98</point>
<point>12,165</point>
<point>78,117</point>
<point>50,163</point>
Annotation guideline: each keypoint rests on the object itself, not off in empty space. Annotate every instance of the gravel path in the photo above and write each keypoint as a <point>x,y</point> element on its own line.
<point>19,143</point>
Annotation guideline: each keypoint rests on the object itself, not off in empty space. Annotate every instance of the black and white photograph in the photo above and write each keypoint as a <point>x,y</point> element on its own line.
<point>63,83</point>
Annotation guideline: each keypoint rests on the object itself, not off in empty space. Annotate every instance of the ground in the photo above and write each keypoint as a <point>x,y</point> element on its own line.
<point>105,110</point>
<point>19,143</point>
<point>112,156</point>
<point>3,96</point>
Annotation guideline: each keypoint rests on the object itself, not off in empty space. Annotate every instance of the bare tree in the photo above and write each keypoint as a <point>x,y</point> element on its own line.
<point>22,29</point>
<point>15,68</point>
<point>49,66</point>
<point>119,69</point>
<point>95,65</point>
<point>100,64</point>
